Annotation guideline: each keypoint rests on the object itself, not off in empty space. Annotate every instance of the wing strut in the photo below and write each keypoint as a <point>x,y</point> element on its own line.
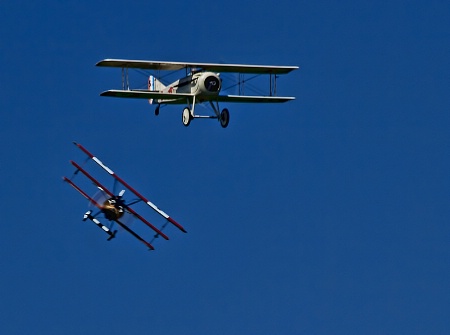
<point>148,202</point>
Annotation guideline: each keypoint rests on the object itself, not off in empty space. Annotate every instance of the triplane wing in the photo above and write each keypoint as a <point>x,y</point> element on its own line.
<point>115,206</point>
<point>202,83</point>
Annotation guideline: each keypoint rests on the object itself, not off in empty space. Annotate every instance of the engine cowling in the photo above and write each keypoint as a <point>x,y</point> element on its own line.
<point>209,83</point>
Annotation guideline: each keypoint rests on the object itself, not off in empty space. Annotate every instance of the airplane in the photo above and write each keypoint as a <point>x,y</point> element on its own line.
<point>202,83</point>
<point>114,207</point>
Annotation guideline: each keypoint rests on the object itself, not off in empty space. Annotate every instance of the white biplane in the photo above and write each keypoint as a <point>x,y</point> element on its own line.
<point>202,83</point>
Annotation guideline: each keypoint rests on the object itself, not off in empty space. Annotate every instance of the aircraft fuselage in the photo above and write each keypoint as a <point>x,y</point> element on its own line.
<point>199,84</point>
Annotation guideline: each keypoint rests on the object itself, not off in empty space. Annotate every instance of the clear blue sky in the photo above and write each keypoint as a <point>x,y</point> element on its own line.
<point>326,215</point>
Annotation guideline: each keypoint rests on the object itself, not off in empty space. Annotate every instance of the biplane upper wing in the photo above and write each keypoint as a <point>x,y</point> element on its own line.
<point>214,67</point>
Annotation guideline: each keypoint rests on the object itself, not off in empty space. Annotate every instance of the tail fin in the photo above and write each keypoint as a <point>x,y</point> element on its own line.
<point>154,85</point>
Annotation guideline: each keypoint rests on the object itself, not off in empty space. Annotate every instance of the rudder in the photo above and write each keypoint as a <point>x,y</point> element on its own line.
<point>154,85</point>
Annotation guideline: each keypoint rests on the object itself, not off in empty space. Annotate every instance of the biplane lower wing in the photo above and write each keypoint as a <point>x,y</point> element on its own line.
<point>143,94</point>
<point>180,98</point>
<point>252,99</point>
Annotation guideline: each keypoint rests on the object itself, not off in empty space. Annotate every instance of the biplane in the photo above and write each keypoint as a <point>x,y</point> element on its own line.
<point>114,207</point>
<point>202,83</point>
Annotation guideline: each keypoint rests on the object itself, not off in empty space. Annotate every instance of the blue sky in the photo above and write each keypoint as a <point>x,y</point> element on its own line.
<point>325,215</point>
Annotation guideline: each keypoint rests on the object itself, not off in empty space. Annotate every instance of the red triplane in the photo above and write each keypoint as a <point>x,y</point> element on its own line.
<point>114,207</point>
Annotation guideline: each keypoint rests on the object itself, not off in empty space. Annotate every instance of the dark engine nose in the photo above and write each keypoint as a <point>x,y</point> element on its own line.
<point>212,84</point>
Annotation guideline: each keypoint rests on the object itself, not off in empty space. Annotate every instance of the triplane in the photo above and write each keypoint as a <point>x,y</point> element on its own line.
<point>202,83</point>
<point>113,206</point>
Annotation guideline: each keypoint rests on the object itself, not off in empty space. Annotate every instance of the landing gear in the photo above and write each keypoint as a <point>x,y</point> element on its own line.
<point>224,118</point>
<point>186,117</point>
<point>188,114</point>
<point>157,110</point>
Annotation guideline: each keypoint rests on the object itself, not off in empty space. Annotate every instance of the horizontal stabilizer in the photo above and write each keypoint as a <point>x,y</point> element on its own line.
<point>181,97</point>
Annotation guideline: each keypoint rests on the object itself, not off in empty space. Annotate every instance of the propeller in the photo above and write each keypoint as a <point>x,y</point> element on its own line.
<point>101,196</point>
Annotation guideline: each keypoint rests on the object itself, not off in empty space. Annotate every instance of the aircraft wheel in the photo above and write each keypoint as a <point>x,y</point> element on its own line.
<point>224,118</point>
<point>186,116</point>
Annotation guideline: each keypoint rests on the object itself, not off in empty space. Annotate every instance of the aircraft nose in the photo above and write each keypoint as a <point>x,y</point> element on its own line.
<point>212,84</point>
